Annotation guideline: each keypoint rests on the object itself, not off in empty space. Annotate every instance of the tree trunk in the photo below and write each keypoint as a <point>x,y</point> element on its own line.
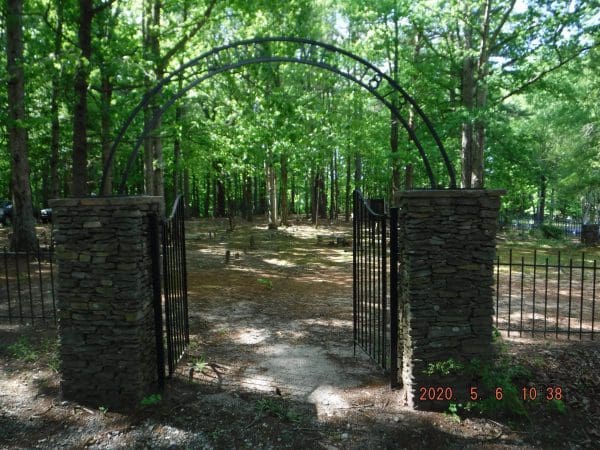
<point>336,187</point>
<point>271,193</point>
<point>322,195</point>
<point>80,83</point>
<point>23,237</point>
<point>284,183</point>
<point>54,106</point>
<point>358,171</point>
<point>542,206</point>
<point>247,197</point>
<point>177,187</point>
<point>219,210</point>
<point>207,196</point>
<point>332,178</point>
<point>105,123</point>
<point>293,196</point>
<point>314,197</point>
<point>347,204</point>
<point>467,148</point>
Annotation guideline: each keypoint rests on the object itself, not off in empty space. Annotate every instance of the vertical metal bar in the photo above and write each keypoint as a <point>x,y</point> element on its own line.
<point>593,298</point>
<point>509,287</point>
<point>522,281</point>
<point>384,306</point>
<point>581,296</point>
<point>557,296</point>
<point>360,273</point>
<point>546,298</point>
<point>368,284</point>
<point>7,286</point>
<point>167,293</point>
<point>39,263</point>
<point>18,272</point>
<point>363,274</point>
<point>51,257</point>
<point>28,262</point>
<point>497,289</point>
<point>570,297</point>
<point>184,273</point>
<point>174,248</point>
<point>354,269</point>
<point>534,288</point>
<point>394,297</point>
<point>157,299</point>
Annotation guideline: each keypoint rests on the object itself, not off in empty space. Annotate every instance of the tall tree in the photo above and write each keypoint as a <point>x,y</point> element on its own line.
<point>23,223</point>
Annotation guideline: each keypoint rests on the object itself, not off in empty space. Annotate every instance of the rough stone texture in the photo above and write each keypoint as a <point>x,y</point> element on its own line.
<point>590,234</point>
<point>105,312</point>
<point>446,253</point>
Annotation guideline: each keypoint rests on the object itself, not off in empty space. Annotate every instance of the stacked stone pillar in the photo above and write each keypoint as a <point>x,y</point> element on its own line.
<point>446,254</point>
<point>105,299</point>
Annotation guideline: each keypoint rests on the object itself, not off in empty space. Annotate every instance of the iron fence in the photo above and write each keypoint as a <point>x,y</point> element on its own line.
<point>373,306</point>
<point>27,291</point>
<point>571,226</point>
<point>549,296</point>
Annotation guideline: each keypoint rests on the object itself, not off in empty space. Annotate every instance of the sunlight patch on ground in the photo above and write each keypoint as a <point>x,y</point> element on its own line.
<point>279,262</point>
<point>257,383</point>
<point>327,322</point>
<point>327,400</point>
<point>251,336</point>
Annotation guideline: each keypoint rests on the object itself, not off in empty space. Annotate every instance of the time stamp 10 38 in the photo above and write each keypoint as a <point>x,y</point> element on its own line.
<point>527,393</point>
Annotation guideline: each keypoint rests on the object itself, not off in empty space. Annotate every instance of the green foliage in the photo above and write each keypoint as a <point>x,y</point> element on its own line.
<point>22,349</point>
<point>277,408</point>
<point>200,364</point>
<point>151,400</point>
<point>103,410</point>
<point>453,412</point>
<point>557,406</point>
<point>446,367</point>
<point>501,381</point>
<point>552,232</point>
<point>266,283</point>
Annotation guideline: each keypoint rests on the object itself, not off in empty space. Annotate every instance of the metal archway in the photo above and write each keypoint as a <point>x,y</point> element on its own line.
<point>285,50</point>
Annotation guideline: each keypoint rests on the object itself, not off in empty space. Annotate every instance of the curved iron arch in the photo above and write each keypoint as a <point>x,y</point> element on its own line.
<point>287,50</point>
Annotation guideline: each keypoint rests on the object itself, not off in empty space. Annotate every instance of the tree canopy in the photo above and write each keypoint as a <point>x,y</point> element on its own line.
<point>511,87</point>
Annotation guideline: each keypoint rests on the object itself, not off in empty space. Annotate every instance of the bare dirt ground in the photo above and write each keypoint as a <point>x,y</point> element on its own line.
<point>271,365</point>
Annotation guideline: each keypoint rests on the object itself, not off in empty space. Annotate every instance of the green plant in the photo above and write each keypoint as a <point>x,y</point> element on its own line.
<point>50,348</point>
<point>103,409</point>
<point>446,367</point>
<point>552,232</point>
<point>266,283</point>
<point>23,350</point>
<point>500,381</point>
<point>200,364</point>
<point>496,335</point>
<point>558,406</point>
<point>452,412</point>
<point>277,409</point>
<point>151,400</point>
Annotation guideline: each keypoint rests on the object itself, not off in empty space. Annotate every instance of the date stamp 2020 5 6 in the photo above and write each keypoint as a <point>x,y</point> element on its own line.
<point>446,393</point>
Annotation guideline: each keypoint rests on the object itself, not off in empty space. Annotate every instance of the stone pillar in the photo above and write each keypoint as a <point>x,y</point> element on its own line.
<point>446,253</point>
<point>105,310</point>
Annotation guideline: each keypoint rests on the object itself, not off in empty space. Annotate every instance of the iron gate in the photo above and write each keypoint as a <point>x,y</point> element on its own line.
<point>375,319</point>
<point>170,302</point>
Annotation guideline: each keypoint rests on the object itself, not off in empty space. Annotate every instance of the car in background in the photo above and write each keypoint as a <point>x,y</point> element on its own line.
<point>46,215</point>
<point>5,212</point>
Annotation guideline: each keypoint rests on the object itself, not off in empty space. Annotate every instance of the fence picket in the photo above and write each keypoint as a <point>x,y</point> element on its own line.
<point>559,314</point>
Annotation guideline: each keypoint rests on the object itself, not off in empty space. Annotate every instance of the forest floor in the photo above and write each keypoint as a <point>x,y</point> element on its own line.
<point>271,365</point>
